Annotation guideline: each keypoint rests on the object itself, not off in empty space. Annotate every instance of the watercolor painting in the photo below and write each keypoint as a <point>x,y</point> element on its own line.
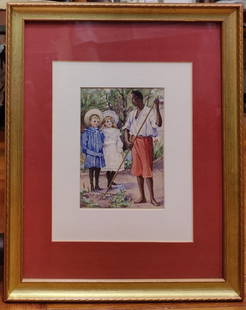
<point>122,148</point>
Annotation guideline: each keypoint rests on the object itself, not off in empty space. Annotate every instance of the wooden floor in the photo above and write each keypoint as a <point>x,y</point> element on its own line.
<point>107,306</point>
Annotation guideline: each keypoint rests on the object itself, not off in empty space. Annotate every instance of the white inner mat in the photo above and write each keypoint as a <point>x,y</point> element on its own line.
<point>173,223</point>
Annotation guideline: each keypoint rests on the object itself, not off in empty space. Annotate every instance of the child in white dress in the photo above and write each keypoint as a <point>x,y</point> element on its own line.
<point>112,147</point>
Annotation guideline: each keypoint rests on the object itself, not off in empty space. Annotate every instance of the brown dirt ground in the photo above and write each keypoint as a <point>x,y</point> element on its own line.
<point>130,184</point>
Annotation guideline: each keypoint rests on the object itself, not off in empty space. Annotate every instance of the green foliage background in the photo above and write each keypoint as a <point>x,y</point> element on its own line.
<point>116,99</point>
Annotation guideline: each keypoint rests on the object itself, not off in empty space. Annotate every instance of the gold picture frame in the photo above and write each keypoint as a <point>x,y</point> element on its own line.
<point>230,286</point>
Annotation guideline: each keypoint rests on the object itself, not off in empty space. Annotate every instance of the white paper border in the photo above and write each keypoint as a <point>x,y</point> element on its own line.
<point>174,223</point>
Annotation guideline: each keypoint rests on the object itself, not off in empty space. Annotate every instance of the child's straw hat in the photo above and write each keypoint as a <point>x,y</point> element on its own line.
<point>111,113</point>
<point>91,112</point>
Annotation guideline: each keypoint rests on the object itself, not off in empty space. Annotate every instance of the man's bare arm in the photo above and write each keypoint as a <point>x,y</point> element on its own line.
<point>127,140</point>
<point>158,114</point>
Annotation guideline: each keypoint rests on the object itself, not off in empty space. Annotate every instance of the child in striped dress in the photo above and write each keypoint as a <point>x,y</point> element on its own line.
<point>92,146</point>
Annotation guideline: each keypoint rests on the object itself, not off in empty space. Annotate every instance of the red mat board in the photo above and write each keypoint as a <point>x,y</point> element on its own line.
<point>118,41</point>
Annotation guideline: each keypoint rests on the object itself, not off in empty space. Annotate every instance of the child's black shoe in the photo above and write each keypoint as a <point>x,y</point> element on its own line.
<point>97,188</point>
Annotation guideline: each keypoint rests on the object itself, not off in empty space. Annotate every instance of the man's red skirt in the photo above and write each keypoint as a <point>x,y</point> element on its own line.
<point>142,157</point>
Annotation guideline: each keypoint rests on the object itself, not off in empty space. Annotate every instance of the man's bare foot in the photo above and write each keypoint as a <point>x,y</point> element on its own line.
<point>154,202</point>
<point>140,200</point>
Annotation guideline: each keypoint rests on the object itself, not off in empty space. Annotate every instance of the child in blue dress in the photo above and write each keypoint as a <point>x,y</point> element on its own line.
<point>92,146</point>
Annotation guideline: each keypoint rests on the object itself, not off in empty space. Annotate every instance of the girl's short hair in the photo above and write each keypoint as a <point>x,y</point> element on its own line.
<point>111,119</point>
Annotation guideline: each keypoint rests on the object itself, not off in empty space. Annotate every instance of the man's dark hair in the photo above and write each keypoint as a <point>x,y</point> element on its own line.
<point>138,94</point>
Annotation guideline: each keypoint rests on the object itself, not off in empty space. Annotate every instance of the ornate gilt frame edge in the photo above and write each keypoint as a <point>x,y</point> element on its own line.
<point>15,289</point>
